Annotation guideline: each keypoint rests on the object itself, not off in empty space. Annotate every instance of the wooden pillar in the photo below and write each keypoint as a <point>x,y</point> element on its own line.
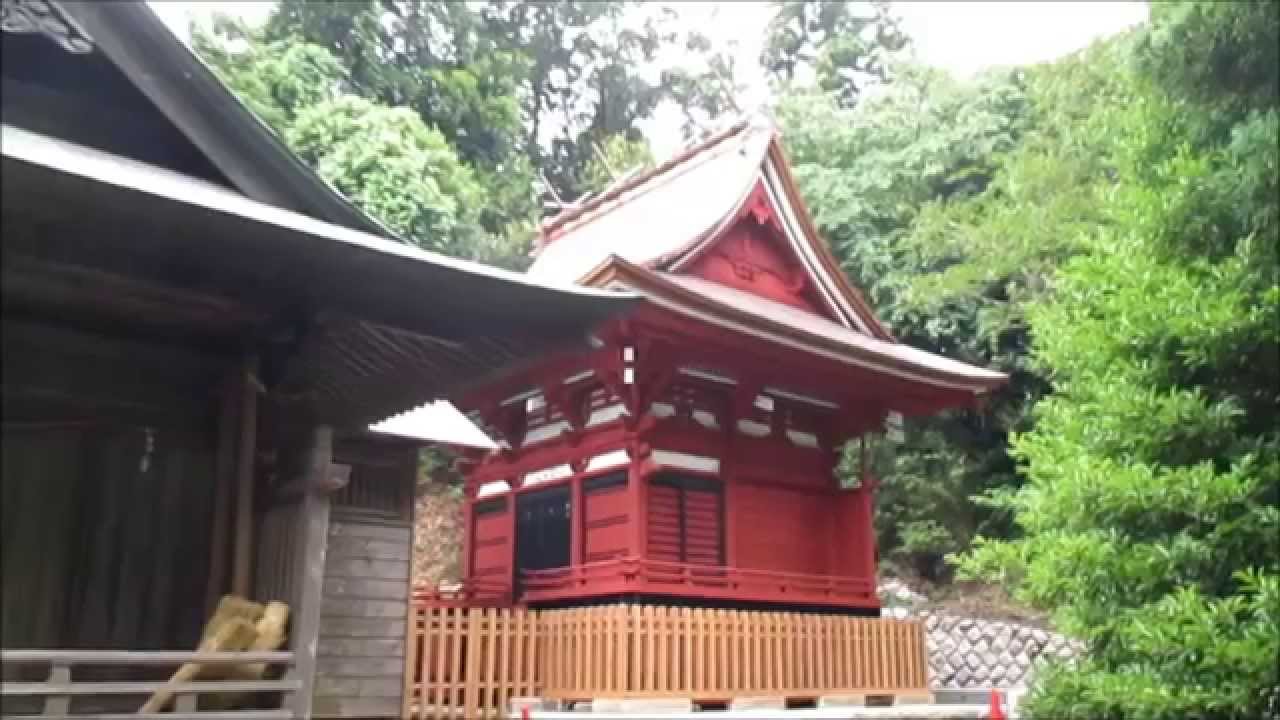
<point>468,530</point>
<point>312,541</point>
<point>728,498</point>
<point>639,503</point>
<point>577,521</point>
<point>864,547</point>
<point>242,570</point>
<point>224,484</point>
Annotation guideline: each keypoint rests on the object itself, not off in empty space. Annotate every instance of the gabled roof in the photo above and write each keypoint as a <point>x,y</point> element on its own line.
<point>185,90</point>
<point>664,218</point>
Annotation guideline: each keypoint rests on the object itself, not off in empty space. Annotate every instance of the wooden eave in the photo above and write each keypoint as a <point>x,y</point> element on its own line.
<point>370,327</point>
<point>620,274</point>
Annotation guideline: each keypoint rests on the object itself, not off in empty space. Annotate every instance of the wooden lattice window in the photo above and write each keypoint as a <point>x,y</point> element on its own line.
<point>686,519</point>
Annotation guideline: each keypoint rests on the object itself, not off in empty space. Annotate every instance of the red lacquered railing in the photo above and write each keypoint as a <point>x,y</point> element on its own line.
<point>469,594</point>
<point>640,575</point>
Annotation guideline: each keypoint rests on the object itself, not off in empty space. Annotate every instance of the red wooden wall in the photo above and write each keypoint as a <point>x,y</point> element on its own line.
<point>492,544</point>
<point>755,259</point>
<point>606,518</point>
<point>781,528</point>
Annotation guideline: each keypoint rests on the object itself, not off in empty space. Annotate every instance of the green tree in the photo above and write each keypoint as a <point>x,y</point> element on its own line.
<point>617,157</point>
<point>503,79</point>
<point>385,159</point>
<point>274,79</point>
<point>845,46</point>
<point>1149,517</point>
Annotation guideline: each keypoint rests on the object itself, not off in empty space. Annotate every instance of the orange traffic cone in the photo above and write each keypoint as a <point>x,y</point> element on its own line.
<point>996,712</point>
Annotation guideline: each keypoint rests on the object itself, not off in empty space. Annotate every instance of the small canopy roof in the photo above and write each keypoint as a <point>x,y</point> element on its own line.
<point>437,422</point>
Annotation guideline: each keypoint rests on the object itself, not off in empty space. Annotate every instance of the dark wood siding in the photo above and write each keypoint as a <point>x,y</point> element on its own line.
<point>105,536</point>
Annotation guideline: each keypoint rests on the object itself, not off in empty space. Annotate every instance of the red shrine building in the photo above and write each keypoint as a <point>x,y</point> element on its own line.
<point>690,457</point>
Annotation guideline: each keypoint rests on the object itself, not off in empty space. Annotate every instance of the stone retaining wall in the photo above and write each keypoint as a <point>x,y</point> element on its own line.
<point>968,652</point>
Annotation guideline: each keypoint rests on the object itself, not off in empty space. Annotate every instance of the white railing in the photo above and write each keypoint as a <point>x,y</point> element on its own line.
<point>56,696</point>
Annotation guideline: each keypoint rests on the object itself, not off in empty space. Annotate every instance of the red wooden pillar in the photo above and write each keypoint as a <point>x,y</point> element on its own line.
<point>577,521</point>
<point>729,481</point>
<point>639,502</point>
<point>468,542</point>
<point>509,524</point>
<point>864,546</point>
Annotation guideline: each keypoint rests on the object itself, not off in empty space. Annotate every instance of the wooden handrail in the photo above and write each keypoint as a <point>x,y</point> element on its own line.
<point>145,688</point>
<point>136,657</point>
<point>59,689</point>
<point>696,575</point>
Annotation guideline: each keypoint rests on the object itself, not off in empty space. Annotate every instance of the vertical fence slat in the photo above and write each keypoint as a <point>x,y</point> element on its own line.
<point>410,660</point>
<point>470,681</point>
<point>632,631</point>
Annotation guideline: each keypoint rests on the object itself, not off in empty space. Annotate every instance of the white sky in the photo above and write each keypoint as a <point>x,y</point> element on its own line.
<point>963,37</point>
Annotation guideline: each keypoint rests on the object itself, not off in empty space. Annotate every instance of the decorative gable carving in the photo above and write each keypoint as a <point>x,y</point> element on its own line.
<point>753,255</point>
<point>45,18</point>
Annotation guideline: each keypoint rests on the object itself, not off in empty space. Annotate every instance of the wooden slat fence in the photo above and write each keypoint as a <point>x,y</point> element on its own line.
<point>469,662</point>
<point>474,660</point>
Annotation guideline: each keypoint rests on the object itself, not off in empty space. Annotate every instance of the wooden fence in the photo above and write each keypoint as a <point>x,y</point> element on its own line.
<point>469,659</point>
<point>475,660</point>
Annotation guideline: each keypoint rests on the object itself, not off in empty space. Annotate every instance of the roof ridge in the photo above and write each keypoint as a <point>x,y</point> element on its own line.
<point>557,221</point>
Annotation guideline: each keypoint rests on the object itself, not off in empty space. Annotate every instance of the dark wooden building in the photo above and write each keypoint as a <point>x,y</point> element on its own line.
<point>690,455</point>
<point>197,331</point>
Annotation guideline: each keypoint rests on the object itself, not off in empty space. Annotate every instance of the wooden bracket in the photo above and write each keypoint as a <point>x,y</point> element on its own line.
<point>742,402</point>
<point>506,423</point>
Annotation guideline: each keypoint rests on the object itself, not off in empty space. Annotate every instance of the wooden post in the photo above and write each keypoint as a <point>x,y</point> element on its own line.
<point>864,529</point>
<point>313,539</point>
<point>224,468</point>
<point>577,521</point>
<point>411,637</point>
<point>242,573</point>
<point>59,674</point>
<point>639,509</point>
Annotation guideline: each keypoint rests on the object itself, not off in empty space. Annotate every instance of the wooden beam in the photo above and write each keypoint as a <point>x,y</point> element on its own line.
<point>313,538</point>
<point>242,573</point>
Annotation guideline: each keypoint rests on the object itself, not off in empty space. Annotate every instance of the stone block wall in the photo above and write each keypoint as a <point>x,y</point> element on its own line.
<point>969,652</point>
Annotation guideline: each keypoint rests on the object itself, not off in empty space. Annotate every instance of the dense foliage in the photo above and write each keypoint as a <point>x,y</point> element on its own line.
<point>454,123</point>
<point>1149,519</point>
<point>491,113</point>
